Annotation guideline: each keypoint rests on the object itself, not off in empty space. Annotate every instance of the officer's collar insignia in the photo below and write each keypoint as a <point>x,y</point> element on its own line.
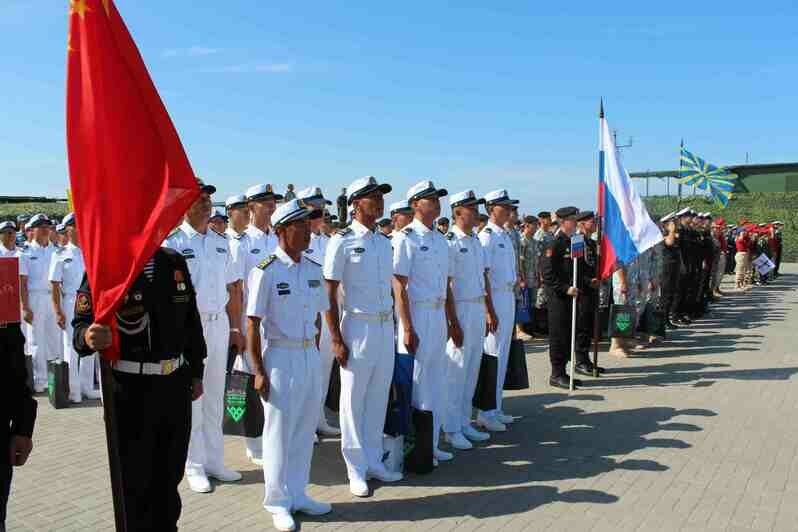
<point>407,230</point>
<point>238,236</point>
<point>283,286</point>
<point>312,261</point>
<point>188,251</point>
<point>424,248</point>
<point>450,236</point>
<point>488,230</point>
<point>359,250</point>
<point>180,281</point>
<point>265,262</point>
<point>254,251</point>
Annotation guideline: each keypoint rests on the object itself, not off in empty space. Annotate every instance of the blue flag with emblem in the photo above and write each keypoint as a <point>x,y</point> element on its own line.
<point>696,172</point>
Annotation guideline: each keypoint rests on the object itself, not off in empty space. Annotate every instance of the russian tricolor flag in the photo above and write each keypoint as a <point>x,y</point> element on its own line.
<point>628,230</point>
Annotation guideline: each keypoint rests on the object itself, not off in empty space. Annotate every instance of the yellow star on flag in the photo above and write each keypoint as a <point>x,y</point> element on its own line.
<point>79,7</point>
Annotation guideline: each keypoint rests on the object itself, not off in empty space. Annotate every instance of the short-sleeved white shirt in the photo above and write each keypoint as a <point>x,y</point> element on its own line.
<point>34,261</point>
<point>467,256</point>
<point>287,296</point>
<point>317,248</point>
<point>67,268</point>
<point>362,261</point>
<point>422,255</point>
<point>210,264</point>
<point>499,257</point>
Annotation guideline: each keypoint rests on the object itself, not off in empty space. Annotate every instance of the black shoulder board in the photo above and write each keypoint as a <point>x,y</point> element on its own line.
<point>265,262</point>
<point>488,230</point>
<point>312,261</point>
<point>343,232</point>
<point>449,236</point>
<point>407,230</point>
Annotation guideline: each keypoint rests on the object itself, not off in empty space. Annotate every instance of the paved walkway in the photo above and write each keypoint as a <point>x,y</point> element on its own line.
<point>700,434</point>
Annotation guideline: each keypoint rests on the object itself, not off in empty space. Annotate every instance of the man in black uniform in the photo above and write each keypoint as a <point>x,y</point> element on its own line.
<point>671,270</point>
<point>588,294</point>
<point>558,275</point>
<point>158,375</point>
<point>687,279</point>
<point>17,407</point>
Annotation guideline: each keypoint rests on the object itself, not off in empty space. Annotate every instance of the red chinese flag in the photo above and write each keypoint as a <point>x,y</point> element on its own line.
<point>131,180</point>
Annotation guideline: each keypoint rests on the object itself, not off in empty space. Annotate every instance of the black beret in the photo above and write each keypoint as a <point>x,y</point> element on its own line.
<point>443,220</point>
<point>585,215</point>
<point>544,214</point>
<point>530,219</point>
<point>565,212</point>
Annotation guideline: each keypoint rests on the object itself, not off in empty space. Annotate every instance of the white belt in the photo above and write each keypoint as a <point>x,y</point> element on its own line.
<point>210,316</point>
<point>291,344</point>
<point>369,316</point>
<point>164,367</point>
<point>480,299</point>
<point>435,305</point>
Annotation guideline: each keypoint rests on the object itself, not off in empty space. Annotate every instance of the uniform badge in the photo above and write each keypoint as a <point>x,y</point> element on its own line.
<point>463,250</point>
<point>83,304</point>
<point>283,286</point>
<point>424,248</point>
<point>221,250</point>
<point>359,250</point>
<point>314,283</point>
<point>283,292</point>
<point>180,281</point>
<point>34,258</point>
<point>254,251</point>
<point>67,261</point>
<point>138,296</point>
<point>501,245</point>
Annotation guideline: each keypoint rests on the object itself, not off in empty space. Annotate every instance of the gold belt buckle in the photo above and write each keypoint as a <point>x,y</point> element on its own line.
<point>167,366</point>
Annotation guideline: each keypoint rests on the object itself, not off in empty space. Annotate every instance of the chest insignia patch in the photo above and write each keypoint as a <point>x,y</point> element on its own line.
<point>501,245</point>
<point>463,250</point>
<point>67,261</point>
<point>424,248</point>
<point>283,292</point>
<point>221,250</point>
<point>83,304</point>
<point>188,251</point>
<point>282,286</point>
<point>254,251</point>
<point>359,250</point>
<point>180,281</point>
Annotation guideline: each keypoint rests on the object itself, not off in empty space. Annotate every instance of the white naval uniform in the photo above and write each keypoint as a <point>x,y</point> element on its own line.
<point>501,264</point>
<point>422,255</point>
<point>362,261</point>
<point>212,269</point>
<point>254,247</point>
<point>45,335</point>
<point>67,268</point>
<point>8,253</point>
<point>468,290</point>
<point>316,252</point>
<point>288,297</point>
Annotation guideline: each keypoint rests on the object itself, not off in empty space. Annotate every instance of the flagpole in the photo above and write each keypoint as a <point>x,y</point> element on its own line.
<point>573,326</point>
<point>599,230</point>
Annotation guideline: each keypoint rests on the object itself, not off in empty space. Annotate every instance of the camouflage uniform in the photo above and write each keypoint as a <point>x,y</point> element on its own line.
<point>530,254</point>
<point>543,239</point>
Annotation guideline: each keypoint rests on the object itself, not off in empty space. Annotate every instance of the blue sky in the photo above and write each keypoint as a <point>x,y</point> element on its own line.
<point>477,95</point>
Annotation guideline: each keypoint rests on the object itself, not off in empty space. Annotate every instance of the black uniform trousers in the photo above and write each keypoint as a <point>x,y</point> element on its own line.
<point>559,332</point>
<point>12,346</point>
<point>671,295</point>
<point>154,422</point>
<point>585,322</point>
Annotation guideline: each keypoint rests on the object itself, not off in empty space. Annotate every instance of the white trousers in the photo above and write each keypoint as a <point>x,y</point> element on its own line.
<point>365,384</point>
<point>498,343</point>
<point>290,418</point>
<point>81,370</point>
<point>327,358</point>
<point>206,446</point>
<point>462,365</point>
<point>429,370</point>
<point>46,340</point>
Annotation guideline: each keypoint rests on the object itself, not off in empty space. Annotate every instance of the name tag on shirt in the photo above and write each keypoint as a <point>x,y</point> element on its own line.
<point>314,283</point>
<point>221,250</point>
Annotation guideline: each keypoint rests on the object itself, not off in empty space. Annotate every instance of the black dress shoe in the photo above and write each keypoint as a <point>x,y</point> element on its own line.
<point>577,382</point>
<point>585,369</point>
<point>561,381</point>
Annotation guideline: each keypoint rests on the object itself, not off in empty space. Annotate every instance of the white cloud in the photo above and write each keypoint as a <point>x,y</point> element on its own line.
<point>193,51</point>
